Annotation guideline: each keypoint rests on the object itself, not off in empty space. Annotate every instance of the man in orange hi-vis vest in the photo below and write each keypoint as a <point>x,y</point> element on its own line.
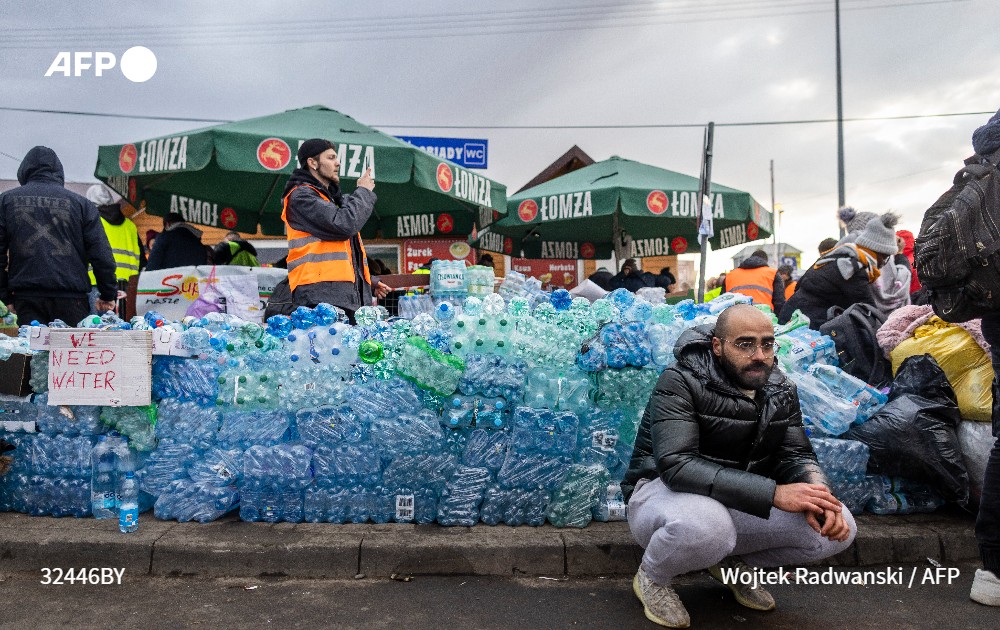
<point>326,258</point>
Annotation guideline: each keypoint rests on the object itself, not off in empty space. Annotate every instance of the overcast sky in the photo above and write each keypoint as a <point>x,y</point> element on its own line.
<point>545,63</point>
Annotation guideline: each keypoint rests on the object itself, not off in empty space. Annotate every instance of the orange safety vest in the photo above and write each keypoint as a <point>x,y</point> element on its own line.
<point>790,289</point>
<point>757,283</point>
<point>312,259</point>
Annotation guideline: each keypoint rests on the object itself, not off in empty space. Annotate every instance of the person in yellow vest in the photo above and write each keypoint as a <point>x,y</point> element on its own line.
<point>123,237</point>
<point>326,258</point>
<point>754,278</point>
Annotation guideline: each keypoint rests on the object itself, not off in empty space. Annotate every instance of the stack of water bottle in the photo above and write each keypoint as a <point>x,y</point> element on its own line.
<point>845,463</point>
<point>51,470</point>
<point>513,407</point>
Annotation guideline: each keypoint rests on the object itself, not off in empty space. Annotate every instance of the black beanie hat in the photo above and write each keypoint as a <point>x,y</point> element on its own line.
<point>312,148</point>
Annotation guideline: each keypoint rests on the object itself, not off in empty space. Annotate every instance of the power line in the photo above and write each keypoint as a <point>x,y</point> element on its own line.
<point>758,123</point>
<point>482,26</point>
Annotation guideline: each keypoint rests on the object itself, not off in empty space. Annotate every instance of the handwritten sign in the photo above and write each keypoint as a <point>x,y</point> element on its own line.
<point>100,367</point>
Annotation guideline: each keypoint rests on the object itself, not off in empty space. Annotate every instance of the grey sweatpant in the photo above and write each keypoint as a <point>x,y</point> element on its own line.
<point>683,532</point>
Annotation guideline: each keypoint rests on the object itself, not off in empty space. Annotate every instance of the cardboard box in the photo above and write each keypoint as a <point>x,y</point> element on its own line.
<point>10,331</point>
<point>168,342</point>
<point>14,375</point>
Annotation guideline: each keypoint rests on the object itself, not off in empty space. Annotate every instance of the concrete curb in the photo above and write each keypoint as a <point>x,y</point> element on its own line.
<point>230,548</point>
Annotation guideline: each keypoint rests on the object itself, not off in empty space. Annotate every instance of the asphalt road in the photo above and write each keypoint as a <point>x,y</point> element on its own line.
<point>454,603</point>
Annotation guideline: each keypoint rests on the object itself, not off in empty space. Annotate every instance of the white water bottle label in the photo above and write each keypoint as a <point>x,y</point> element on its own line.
<point>404,507</point>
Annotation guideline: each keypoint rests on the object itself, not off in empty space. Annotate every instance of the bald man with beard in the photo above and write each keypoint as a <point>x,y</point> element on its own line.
<point>722,476</point>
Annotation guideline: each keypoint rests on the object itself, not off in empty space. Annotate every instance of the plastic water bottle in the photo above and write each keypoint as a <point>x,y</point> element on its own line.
<point>102,484</point>
<point>128,513</point>
<point>866,398</point>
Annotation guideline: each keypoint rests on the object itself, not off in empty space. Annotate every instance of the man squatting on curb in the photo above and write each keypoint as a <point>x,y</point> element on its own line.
<point>722,475</point>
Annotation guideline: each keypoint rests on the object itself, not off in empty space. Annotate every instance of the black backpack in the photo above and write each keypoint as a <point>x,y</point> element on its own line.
<point>853,331</point>
<point>957,254</point>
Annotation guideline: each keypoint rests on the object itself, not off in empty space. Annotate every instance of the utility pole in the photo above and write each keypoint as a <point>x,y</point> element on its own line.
<point>841,200</point>
<point>774,223</point>
<point>703,189</point>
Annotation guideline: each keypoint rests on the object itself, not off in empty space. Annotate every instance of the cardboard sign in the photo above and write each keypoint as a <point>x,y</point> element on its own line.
<point>98,367</point>
<point>171,291</point>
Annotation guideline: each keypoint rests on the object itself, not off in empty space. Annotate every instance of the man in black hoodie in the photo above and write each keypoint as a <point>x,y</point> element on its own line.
<point>326,258</point>
<point>179,245</point>
<point>48,236</point>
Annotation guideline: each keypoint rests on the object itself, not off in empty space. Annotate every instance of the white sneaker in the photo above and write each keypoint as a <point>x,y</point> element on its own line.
<point>753,597</point>
<point>985,588</point>
<point>661,603</point>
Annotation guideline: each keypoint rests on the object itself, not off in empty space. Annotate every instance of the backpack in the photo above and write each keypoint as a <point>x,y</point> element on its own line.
<point>853,331</point>
<point>957,254</point>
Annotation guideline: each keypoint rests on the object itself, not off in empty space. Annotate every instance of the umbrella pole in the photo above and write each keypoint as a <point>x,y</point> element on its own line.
<point>704,187</point>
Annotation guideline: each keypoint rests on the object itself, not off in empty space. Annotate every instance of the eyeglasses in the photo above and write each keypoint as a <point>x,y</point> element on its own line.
<point>749,347</point>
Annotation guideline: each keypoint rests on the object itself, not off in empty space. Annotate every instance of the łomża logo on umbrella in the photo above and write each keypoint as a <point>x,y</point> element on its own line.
<point>127,157</point>
<point>228,218</point>
<point>679,245</point>
<point>274,154</point>
<point>445,223</point>
<point>445,178</point>
<point>527,210</point>
<point>587,250</point>
<point>656,202</point>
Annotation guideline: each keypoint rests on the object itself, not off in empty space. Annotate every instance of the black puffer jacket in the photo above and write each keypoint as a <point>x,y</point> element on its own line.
<point>822,287</point>
<point>48,235</point>
<point>701,435</point>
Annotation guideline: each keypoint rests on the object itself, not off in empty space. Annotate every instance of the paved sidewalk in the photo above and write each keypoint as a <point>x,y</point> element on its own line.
<point>229,547</point>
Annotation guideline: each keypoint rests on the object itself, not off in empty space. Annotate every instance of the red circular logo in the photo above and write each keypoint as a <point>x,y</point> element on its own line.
<point>656,202</point>
<point>679,245</point>
<point>274,154</point>
<point>752,231</point>
<point>126,158</point>
<point>527,210</point>
<point>229,218</point>
<point>445,178</point>
<point>587,250</point>
<point>133,191</point>
<point>508,245</point>
<point>445,224</point>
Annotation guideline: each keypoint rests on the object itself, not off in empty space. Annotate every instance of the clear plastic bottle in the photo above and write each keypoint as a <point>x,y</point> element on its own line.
<point>103,496</point>
<point>128,512</point>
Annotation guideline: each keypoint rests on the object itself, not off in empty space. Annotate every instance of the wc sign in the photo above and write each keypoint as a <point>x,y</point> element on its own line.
<point>138,64</point>
<point>467,152</point>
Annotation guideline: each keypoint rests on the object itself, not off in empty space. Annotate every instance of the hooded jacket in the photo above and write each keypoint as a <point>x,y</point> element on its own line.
<point>907,237</point>
<point>177,246</point>
<point>48,236</point>
<point>339,219</point>
<point>754,272</point>
<point>700,434</point>
<point>838,278</point>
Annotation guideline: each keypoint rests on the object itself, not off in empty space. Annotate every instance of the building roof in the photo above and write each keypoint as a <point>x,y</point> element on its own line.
<point>568,162</point>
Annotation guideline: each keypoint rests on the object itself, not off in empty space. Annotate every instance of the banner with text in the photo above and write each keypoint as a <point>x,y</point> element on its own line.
<point>467,152</point>
<point>561,274</point>
<point>417,252</point>
<point>170,292</point>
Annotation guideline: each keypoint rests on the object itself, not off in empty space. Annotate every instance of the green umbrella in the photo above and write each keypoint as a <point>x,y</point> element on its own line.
<point>232,175</point>
<point>623,207</point>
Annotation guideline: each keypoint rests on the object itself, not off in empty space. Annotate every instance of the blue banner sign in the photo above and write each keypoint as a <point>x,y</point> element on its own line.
<point>467,152</point>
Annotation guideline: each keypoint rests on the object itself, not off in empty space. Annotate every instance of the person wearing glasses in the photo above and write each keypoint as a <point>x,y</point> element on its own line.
<point>722,476</point>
